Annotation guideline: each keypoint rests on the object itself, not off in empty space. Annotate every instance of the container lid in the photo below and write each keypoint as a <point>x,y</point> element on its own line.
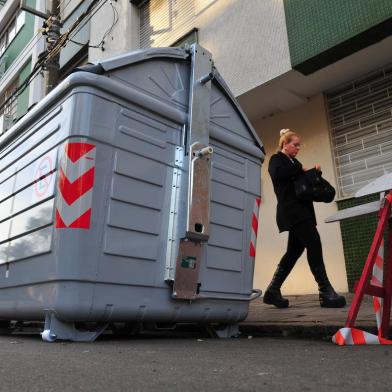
<point>127,59</point>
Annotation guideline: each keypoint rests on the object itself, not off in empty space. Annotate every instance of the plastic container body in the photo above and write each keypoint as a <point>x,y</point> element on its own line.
<point>89,184</point>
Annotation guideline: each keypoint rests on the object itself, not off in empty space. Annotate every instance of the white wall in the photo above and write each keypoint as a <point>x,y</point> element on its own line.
<point>248,38</point>
<point>310,122</point>
<point>125,35</point>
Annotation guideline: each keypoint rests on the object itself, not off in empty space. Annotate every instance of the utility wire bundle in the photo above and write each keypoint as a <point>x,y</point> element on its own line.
<point>54,49</point>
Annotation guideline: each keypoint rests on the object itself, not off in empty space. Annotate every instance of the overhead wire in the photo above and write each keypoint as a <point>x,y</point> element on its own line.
<point>26,49</point>
<point>89,17</point>
<point>107,32</point>
<point>61,3</point>
<point>61,42</point>
<point>82,20</point>
<point>19,90</point>
<point>33,42</point>
<point>21,58</point>
<point>114,22</point>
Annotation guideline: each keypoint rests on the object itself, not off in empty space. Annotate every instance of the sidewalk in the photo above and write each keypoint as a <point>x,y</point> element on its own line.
<point>305,318</point>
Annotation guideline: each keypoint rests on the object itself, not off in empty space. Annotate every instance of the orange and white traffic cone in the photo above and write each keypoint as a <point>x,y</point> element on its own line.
<point>353,336</point>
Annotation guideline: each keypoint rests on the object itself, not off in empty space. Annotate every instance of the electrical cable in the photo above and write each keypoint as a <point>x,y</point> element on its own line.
<point>74,31</point>
<point>50,55</point>
<point>88,16</point>
<point>92,9</point>
<point>60,4</point>
<point>61,42</point>
<point>27,48</point>
<point>33,74</point>
<point>30,77</point>
<point>107,32</point>
<point>18,91</point>
<point>114,22</point>
<point>21,56</point>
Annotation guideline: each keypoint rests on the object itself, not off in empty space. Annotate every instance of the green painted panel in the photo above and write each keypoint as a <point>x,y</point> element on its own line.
<point>357,237</point>
<point>24,35</point>
<point>314,26</point>
<point>23,99</point>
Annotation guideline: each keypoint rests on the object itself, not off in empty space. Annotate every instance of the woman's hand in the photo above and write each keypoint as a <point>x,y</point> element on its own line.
<point>317,166</point>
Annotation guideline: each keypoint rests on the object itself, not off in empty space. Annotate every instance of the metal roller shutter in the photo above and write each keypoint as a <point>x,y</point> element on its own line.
<point>360,116</point>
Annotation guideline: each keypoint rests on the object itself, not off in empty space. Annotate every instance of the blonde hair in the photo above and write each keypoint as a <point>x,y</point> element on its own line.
<point>286,136</point>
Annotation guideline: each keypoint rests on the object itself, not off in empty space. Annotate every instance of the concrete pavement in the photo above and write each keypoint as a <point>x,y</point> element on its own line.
<point>191,364</point>
<point>305,318</point>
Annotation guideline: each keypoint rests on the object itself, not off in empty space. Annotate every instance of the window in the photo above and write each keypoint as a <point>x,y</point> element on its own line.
<point>3,44</point>
<point>12,30</point>
<point>361,124</point>
<point>163,22</point>
<point>187,39</point>
<point>10,108</point>
<point>20,20</point>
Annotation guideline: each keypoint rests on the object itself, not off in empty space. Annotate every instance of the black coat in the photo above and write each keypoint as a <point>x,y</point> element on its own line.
<point>290,210</point>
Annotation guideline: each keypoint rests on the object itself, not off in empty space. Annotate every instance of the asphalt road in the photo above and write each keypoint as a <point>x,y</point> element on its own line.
<point>191,364</point>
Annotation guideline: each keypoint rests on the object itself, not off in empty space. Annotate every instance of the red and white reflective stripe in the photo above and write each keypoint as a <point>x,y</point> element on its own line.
<point>377,305</point>
<point>255,224</point>
<point>377,280</point>
<point>75,186</point>
<point>353,336</point>
<point>378,267</point>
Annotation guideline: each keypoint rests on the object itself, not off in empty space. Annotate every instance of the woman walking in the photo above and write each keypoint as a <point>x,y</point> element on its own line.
<point>298,218</point>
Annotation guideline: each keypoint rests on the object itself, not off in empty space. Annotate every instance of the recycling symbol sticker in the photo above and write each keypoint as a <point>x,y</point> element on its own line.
<point>42,177</point>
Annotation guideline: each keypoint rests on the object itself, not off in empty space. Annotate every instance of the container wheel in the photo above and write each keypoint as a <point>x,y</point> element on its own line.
<point>47,336</point>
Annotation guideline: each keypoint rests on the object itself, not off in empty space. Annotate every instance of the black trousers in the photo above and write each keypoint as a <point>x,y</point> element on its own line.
<point>304,235</point>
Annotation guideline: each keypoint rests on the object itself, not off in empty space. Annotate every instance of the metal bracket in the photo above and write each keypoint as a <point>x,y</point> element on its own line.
<point>198,214</point>
<point>198,218</point>
<point>187,270</point>
<point>199,168</point>
<point>223,331</point>
<point>173,235</point>
<point>55,329</point>
<point>200,96</point>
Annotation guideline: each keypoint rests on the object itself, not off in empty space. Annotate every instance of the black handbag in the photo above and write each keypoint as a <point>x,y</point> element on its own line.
<point>310,185</point>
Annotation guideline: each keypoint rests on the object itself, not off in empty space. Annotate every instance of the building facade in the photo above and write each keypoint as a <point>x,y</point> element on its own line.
<point>20,45</point>
<point>320,67</point>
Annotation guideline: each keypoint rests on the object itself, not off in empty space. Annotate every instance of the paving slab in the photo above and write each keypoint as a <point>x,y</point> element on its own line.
<point>305,318</point>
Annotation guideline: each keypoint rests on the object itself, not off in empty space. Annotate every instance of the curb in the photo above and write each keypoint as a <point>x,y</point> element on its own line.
<point>318,331</point>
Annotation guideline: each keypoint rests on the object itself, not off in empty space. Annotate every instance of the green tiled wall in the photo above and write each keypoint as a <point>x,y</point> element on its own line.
<point>314,26</point>
<point>357,236</point>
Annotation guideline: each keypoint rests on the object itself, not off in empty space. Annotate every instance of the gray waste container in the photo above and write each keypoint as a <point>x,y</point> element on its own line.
<point>127,195</point>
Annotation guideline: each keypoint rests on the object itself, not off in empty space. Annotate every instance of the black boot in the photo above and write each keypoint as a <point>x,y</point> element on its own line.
<point>272,295</point>
<point>327,295</point>
<point>330,299</point>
